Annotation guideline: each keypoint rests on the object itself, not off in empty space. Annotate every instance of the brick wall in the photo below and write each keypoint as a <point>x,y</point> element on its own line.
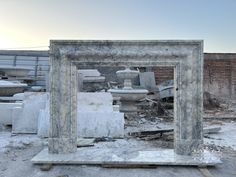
<point>219,74</point>
<point>233,65</point>
<point>163,73</point>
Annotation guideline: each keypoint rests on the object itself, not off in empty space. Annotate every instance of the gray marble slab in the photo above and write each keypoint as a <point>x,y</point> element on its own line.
<point>119,156</point>
<point>147,80</point>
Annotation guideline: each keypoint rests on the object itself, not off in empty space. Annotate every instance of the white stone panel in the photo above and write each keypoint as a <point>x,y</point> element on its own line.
<point>25,119</point>
<point>6,112</point>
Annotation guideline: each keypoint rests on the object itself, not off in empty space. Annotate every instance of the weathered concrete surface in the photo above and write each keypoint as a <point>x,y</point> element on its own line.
<point>185,56</point>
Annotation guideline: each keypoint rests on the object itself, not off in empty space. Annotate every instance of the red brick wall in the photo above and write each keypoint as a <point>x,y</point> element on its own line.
<point>219,74</point>
<point>217,77</point>
<point>233,65</point>
<point>163,73</point>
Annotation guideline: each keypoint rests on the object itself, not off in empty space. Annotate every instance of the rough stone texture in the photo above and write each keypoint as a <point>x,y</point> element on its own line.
<point>123,157</point>
<point>185,56</point>
<point>25,117</point>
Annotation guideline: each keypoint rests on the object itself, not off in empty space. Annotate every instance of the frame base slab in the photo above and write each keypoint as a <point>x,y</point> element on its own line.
<point>123,157</point>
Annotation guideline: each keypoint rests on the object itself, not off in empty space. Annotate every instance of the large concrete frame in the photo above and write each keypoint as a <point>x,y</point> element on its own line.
<point>186,56</point>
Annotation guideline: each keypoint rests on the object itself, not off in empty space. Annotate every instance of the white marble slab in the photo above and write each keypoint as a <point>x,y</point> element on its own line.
<point>43,121</point>
<point>94,102</point>
<point>95,117</point>
<point>25,118</point>
<point>147,80</point>
<point>100,124</point>
<point>6,112</point>
<point>89,72</point>
<point>120,156</point>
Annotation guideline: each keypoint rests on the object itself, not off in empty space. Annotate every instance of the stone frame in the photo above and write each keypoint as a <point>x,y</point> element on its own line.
<point>186,56</point>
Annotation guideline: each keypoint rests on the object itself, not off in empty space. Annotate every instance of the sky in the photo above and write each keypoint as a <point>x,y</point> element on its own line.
<point>30,24</point>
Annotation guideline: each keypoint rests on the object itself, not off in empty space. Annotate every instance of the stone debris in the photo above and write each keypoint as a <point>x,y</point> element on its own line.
<point>157,134</point>
<point>82,142</point>
<point>46,167</point>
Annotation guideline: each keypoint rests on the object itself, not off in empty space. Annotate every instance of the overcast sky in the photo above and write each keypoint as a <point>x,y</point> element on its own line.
<point>32,23</point>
